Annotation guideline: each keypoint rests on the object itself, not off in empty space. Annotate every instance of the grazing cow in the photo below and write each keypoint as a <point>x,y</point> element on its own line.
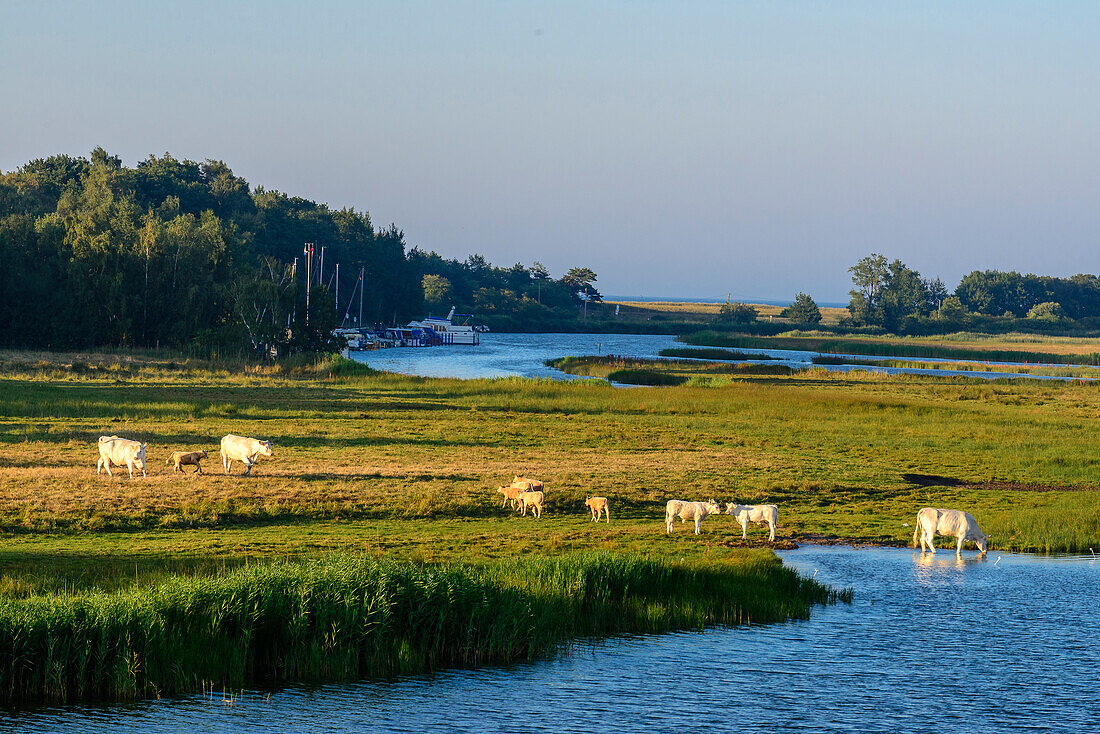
<point>244,450</point>
<point>119,451</point>
<point>186,458</point>
<point>763,514</point>
<point>962,525</point>
<point>531,485</point>
<point>532,500</point>
<point>511,495</point>
<point>596,505</point>
<point>685,510</point>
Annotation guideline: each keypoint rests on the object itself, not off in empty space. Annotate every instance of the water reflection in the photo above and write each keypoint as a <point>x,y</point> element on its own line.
<point>949,560</point>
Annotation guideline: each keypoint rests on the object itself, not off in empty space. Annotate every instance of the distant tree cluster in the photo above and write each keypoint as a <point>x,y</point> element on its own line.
<point>516,294</point>
<point>176,252</point>
<point>895,297</point>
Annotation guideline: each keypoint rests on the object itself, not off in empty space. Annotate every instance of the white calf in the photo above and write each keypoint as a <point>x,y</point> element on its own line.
<point>763,514</point>
<point>532,500</point>
<point>598,505</point>
<point>685,510</point>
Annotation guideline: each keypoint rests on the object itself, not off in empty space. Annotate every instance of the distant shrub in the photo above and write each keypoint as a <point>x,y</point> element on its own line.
<point>803,310</point>
<point>1049,311</point>
<point>738,313</point>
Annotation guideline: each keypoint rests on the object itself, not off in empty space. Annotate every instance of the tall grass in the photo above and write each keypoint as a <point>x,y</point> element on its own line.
<point>728,354</point>
<point>346,617</point>
<point>883,348</point>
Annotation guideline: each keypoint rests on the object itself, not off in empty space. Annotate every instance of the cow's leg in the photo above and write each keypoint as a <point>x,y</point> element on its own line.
<point>198,469</point>
<point>771,527</point>
<point>696,525</point>
<point>130,468</point>
<point>225,462</point>
<point>744,529</point>
<point>959,545</point>
<point>99,465</point>
<point>669,524</point>
<point>247,467</point>
<point>107,466</point>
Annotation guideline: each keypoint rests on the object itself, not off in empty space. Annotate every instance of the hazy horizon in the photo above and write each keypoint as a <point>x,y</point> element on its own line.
<point>758,148</point>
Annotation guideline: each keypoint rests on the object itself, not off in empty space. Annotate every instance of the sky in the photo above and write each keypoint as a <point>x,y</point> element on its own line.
<point>693,149</point>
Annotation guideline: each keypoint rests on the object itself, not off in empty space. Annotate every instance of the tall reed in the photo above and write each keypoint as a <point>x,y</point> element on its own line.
<point>347,617</point>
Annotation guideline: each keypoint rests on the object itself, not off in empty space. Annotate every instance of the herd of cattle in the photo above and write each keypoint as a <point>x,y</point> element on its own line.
<point>524,493</point>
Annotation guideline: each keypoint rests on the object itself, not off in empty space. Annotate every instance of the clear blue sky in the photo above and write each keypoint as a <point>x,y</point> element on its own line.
<point>678,149</point>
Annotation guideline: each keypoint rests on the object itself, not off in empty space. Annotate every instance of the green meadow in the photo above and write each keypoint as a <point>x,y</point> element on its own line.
<point>373,469</point>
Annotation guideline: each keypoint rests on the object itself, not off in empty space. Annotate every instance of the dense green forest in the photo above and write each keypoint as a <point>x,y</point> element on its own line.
<point>179,253</point>
<point>895,298</point>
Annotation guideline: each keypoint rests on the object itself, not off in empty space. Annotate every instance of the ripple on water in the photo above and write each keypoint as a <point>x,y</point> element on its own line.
<point>929,644</point>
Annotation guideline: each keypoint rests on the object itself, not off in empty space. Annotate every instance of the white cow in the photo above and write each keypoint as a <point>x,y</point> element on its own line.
<point>685,510</point>
<point>244,450</point>
<point>932,521</point>
<point>763,514</point>
<point>119,451</point>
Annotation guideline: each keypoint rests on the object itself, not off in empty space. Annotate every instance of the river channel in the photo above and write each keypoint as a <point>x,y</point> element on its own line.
<point>1008,642</point>
<point>525,355</point>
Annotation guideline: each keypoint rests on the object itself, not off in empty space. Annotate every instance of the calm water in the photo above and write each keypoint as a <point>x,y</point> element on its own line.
<point>928,645</point>
<point>525,355</point>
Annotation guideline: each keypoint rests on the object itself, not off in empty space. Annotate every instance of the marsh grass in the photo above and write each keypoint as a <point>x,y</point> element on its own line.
<point>346,617</point>
<point>895,347</point>
<point>1040,371</point>
<point>729,354</point>
<point>407,466</point>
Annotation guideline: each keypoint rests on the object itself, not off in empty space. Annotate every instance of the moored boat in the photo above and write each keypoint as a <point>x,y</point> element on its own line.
<point>446,331</point>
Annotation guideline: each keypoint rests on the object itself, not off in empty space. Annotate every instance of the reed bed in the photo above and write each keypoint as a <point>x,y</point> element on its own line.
<point>885,348</point>
<point>727,354</point>
<point>345,617</point>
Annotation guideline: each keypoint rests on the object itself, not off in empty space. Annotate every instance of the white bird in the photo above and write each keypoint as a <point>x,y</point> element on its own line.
<point>997,561</point>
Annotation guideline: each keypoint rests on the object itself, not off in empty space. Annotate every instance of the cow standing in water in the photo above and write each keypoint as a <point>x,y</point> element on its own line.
<point>962,525</point>
<point>244,450</point>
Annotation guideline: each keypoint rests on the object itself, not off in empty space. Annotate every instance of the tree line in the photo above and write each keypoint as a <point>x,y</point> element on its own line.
<point>181,253</point>
<point>897,298</point>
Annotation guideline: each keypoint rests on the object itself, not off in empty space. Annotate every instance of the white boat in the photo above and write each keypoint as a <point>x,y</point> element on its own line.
<point>448,331</point>
<point>355,340</point>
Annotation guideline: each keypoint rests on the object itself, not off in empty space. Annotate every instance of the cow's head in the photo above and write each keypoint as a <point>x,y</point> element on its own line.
<point>266,450</point>
<point>712,507</point>
<point>982,541</point>
<point>204,454</point>
<point>139,458</point>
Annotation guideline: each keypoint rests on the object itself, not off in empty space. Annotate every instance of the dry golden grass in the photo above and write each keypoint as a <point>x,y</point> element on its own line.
<point>706,312</point>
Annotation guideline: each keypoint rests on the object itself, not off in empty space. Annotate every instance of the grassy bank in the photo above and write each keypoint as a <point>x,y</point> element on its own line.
<point>662,373</point>
<point>713,354</point>
<point>345,617</point>
<point>1038,371</point>
<point>1072,351</point>
<point>386,464</point>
